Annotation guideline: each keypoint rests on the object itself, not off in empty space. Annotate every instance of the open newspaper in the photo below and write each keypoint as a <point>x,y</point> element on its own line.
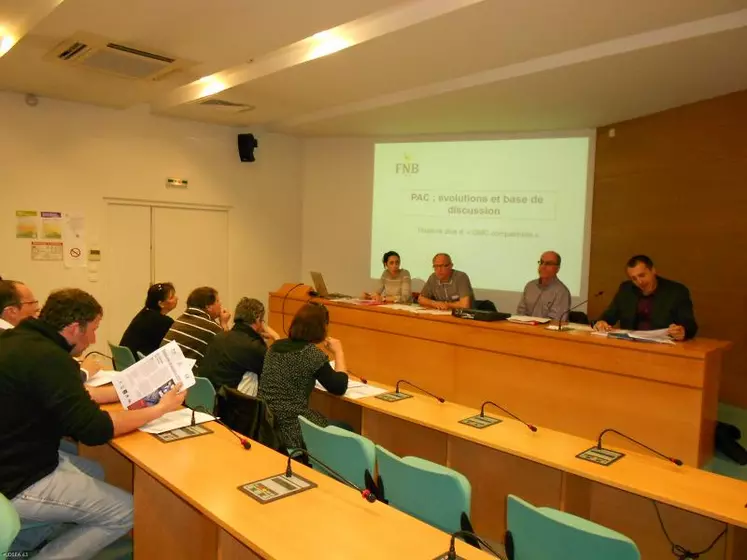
<point>144,383</point>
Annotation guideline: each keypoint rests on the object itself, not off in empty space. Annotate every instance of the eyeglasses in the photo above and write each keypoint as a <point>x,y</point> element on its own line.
<point>31,302</point>
<point>442,265</point>
<point>548,263</point>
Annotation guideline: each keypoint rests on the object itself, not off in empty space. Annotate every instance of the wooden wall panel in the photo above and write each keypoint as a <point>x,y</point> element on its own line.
<point>673,185</point>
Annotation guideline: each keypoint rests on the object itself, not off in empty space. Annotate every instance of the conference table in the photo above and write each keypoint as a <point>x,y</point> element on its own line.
<point>542,467</point>
<point>188,506</point>
<point>572,382</point>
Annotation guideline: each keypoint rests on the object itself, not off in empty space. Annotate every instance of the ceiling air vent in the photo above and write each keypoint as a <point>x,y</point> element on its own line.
<point>227,106</point>
<point>102,55</point>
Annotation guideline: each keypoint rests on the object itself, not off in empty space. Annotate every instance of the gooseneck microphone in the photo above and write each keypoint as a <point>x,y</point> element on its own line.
<point>366,493</point>
<point>452,555</point>
<point>674,460</point>
<point>245,443</point>
<point>511,414</point>
<point>406,382</point>
<point>362,379</point>
<point>568,311</point>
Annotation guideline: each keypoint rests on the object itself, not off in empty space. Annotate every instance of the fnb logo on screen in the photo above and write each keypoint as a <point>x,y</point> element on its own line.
<point>408,167</point>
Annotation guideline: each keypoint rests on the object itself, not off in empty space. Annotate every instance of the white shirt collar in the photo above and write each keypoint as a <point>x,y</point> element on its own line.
<point>5,325</point>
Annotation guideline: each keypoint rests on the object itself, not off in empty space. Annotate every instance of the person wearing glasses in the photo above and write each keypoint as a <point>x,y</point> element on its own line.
<point>446,288</point>
<point>16,303</point>
<point>546,296</point>
<point>147,329</point>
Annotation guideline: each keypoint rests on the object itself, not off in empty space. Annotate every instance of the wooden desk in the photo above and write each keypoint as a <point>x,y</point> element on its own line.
<point>542,467</point>
<point>571,382</point>
<point>187,506</point>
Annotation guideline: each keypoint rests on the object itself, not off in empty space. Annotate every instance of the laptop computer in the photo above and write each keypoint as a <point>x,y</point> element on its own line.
<point>321,287</point>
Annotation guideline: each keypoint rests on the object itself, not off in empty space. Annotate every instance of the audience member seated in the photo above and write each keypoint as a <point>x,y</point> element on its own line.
<point>649,302</point>
<point>42,400</point>
<point>197,326</point>
<point>292,367</point>
<point>446,288</point>
<point>395,283</point>
<point>150,325</point>
<point>16,303</point>
<point>240,352</point>
<point>546,296</point>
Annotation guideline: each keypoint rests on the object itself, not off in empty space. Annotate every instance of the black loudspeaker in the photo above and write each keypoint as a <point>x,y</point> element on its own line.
<point>247,145</point>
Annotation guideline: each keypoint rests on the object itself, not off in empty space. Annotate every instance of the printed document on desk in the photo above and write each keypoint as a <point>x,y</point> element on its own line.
<point>174,420</point>
<point>103,377</point>
<point>357,390</point>
<point>528,320</point>
<point>144,383</point>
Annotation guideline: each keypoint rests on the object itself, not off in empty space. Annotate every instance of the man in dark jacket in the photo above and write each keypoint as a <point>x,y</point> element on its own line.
<point>43,400</point>
<point>650,302</point>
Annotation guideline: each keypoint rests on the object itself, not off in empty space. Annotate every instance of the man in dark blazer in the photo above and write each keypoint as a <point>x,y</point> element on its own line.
<point>648,302</point>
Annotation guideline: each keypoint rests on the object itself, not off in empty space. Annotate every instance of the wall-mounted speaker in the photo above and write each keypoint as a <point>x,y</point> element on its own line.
<point>247,144</point>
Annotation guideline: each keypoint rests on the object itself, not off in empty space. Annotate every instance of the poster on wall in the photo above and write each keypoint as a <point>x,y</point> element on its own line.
<point>46,250</point>
<point>74,240</point>
<point>27,224</point>
<point>51,225</point>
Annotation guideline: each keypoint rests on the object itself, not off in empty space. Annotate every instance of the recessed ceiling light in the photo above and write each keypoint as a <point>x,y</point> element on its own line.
<point>326,43</point>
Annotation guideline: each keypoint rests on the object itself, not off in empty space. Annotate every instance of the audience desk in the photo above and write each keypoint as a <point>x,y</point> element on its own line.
<point>571,382</point>
<point>188,506</point>
<point>542,468</point>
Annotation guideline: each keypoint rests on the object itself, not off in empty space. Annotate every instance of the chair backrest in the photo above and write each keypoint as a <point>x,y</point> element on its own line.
<point>346,452</point>
<point>10,524</point>
<point>563,536</point>
<point>201,395</point>
<point>249,416</point>
<point>438,495</point>
<point>121,356</point>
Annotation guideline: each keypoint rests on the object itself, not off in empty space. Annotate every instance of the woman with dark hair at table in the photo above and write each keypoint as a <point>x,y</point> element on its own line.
<point>292,367</point>
<point>394,284</point>
<point>150,325</point>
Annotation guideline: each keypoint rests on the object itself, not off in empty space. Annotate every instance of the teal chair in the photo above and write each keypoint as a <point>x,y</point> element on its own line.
<point>121,357</point>
<point>438,495</point>
<point>351,455</point>
<point>201,395</point>
<point>563,535</point>
<point>10,524</point>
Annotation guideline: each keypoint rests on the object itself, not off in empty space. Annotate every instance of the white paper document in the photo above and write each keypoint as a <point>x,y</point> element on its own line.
<point>145,382</point>
<point>528,320</point>
<point>416,309</point>
<point>659,336</point>
<point>173,420</point>
<point>103,377</point>
<point>357,390</point>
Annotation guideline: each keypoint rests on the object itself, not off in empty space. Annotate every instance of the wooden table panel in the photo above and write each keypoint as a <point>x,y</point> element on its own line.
<point>404,438</point>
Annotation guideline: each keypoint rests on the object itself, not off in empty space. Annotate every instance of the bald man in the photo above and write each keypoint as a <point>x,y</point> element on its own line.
<point>546,296</point>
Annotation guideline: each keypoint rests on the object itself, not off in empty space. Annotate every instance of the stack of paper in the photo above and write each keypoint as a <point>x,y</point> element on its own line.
<point>528,320</point>
<point>659,336</point>
<point>357,390</point>
<point>103,377</point>
<point>173,420</point>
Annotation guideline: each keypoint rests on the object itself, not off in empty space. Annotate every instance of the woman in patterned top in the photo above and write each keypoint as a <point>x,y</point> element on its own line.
<point>395,283</point>
<point>293,365</point>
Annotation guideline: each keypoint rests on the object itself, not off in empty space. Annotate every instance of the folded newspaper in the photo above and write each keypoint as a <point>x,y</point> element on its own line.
<point>144,383</point>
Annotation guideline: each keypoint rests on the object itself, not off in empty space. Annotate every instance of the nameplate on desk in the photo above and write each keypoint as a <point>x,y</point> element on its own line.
<point>276,487</point>
<point>183,433</point>
<point>393,396</point>
<point>480,422</point>
<point>600,456</point>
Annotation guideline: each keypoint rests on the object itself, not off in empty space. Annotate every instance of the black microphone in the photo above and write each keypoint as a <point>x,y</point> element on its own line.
<point>405,381</point>
<point>674,460</point>
<point>452,555</point>
<point>560,319</point>
<point>511,414</point>
<point>245,443</point>
<point>366,493</point>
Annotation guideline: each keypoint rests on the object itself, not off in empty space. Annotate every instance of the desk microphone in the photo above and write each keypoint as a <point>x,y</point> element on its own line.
<point>362,379</point>
<point>245,443</point>
<point>511,414</point>
<point>406,382</point>
<point>674,460</point>
<point>365,493</point>
<point>560,319</point>
<point>452,555</point>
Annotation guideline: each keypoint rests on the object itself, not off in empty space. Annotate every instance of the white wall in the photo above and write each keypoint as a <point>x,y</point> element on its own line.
<point>62,156</point>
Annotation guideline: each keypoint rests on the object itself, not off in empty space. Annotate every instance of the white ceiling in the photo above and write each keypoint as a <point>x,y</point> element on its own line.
<point>412,67</point>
